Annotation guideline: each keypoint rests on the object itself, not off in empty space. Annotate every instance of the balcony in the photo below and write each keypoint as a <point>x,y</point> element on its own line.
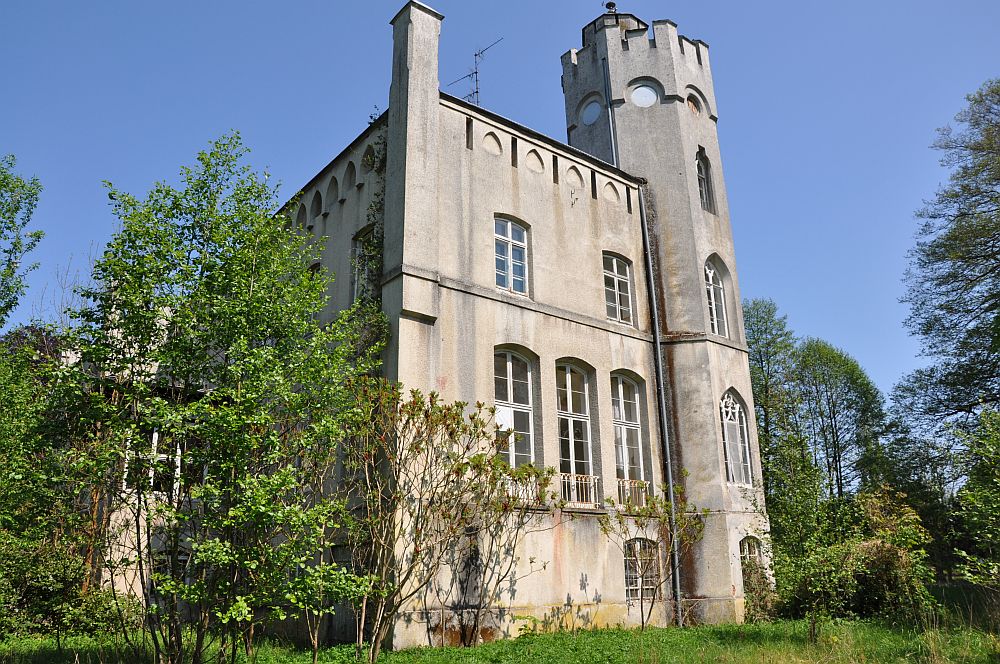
<point>632,492</point>
<point>579,490</point>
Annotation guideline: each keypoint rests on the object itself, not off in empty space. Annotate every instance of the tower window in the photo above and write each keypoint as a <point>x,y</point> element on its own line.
<point>735,440</point>
<point>512,397</point>
<point>511,248</point>
<point>705,189</point>
<point>716,293</point>
<point>694,105</point>
<point>617,289</point>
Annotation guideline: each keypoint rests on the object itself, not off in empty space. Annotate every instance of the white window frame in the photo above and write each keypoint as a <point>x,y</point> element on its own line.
<point>505,245</point>
<point>618,287</point>
<point>505,408</point>
<point>564,381</point>
<point>734,421</point>
<point>634,578</point>
<point>623,425</point>
<point>715,290</point>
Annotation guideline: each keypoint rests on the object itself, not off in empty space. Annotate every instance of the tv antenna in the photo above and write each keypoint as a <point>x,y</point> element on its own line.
<point>611,7</point>
<point>477,57</point>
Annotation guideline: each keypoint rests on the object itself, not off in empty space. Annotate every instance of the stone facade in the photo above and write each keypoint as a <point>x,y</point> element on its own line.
<point>642,153</point>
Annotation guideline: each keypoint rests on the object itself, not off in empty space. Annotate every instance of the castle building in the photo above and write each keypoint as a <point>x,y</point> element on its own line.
<point>587,288</point>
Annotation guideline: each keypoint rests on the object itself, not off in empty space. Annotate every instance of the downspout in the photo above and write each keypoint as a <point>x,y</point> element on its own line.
<point>661,401</point>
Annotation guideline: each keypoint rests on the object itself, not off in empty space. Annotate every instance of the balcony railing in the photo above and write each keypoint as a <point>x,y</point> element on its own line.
<point>524,491</point>
<point>579,490</point>
<point>633,492</point>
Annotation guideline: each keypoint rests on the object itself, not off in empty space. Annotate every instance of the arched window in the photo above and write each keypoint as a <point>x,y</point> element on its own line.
<point>628,442</point>
<point>716,291</point>
<point>575,463</point>
<point>315,209</point>
<point>736,440</point>
<point>350,179</point>
<point>512,397</point>
<point>511,242</point>
<point>706,190</point>
<point>750,551</point>
<point>642,570</point>
<point>617,289</point>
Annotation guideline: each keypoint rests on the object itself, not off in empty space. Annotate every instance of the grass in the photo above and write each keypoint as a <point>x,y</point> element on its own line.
<point>780,641</point>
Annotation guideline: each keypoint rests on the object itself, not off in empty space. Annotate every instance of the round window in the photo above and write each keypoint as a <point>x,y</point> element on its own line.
<point>644,95</point>
<point>591,112</point>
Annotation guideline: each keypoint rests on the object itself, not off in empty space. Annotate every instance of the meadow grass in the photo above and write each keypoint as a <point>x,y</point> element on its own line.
<point>779,641</point>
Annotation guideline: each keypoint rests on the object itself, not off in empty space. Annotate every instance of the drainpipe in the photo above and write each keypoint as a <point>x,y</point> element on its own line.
<point>661,401</point>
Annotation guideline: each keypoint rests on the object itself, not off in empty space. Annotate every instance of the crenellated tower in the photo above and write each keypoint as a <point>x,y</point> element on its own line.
<point>641,97</point>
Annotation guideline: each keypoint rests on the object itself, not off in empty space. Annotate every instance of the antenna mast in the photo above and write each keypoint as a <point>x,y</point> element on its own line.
<point>477,57</point>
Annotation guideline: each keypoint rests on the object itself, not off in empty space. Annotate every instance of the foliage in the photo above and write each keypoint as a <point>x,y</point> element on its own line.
<point>953,284</point>
<point>666,525</point>
<point>979,504</point>
<point>422,476</point>
<point>842,543</point>
<point>18,199</point>
<point>211,398</point>
<point>781,641</point>
<point>866,560</point>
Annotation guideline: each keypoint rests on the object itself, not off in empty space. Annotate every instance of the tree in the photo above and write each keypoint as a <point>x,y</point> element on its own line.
<point>953,280</point>
<point>841,414</point>
<point>646,533</point>
<point>423,477</point>
<point>18,198</point>
<point>979,504</point>
<point>212,399</point>
<point>771,345</point>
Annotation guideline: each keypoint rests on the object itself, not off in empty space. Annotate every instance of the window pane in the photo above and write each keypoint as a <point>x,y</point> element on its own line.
<point>577,388</point>
<point>609,263</point>
<point>519,285</point>
<point>621,268</point>
<point>500,389</point>
<point>561,397</point>
<point>565,464</point>
<point>518,270</point>
<point>632,447</point>
<point>501,279</point>
<point>619,454</point>
<point>501,248</point>
<point>521,392</point>
<point>500,227</point>
<point>516,233</point>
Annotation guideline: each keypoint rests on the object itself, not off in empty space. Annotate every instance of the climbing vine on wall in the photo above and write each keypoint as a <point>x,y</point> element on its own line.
<point>368,258</point>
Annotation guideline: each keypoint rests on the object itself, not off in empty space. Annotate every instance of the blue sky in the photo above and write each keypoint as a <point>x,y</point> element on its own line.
<point>826,112</point>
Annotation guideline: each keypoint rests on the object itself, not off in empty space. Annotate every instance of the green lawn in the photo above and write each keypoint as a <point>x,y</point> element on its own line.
<point>781,641</point>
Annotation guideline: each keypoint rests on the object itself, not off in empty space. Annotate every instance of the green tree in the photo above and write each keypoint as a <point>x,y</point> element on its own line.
<point>953,280</point>
<point>979,504</point>
<point>18,198</point>
<point>212,399</point>
<point>841,414</point>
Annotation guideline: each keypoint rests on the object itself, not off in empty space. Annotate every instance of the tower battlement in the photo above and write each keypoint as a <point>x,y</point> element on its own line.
<point>633,34</point>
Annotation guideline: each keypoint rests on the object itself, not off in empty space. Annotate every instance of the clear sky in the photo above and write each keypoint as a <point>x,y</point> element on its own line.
<point>826,111</point>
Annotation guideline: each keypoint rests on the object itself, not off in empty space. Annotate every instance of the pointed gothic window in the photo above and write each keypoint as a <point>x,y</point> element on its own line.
<point>617,289</point>
<point>512,397</point>
<point>511,248</point>
<point>735,440</point>
<point>705,189</point>
<point>716,292</point>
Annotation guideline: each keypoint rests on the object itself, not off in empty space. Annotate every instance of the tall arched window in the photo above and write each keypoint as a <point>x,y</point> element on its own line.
<point>511,242</point>
<point>716,292</point>
<point>575,463</point>
<point>706,190</point>
<point>617,289</point>
<point>642,570</point>
<point>736,440</point>
<point>628,442</point>
<point>512,397</point>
